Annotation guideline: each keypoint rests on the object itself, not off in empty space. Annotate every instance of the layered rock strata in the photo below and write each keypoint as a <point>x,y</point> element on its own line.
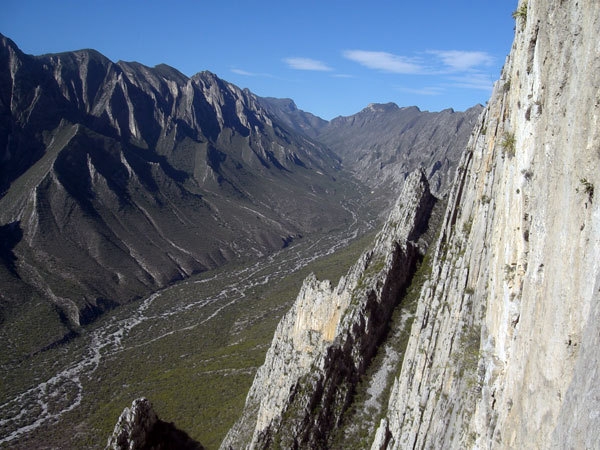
<point>325,343</point>
<point>503,351</point>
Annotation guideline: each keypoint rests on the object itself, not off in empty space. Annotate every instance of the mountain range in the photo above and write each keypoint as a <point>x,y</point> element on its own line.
<point>156,228</point>
<point>382,144</point>
<point>477,328</point>
<point>118,179</point>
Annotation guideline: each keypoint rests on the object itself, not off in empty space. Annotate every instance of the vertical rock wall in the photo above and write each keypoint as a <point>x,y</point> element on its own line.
<point>504,349</point>
<point>325,343</point>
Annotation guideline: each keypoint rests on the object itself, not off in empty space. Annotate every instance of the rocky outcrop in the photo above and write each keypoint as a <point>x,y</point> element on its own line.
<point>139,428</point>
<point>134,426</point>
<point>325,343</point>
<point>503,351</point>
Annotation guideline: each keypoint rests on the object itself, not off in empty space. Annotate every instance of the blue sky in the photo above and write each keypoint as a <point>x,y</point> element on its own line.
<point>332,57</point>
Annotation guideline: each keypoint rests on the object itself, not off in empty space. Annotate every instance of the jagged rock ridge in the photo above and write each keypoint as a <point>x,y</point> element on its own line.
<point>503,349</point>
<point>326,341</point>
<point>139,428</point>
<point>117,179</point>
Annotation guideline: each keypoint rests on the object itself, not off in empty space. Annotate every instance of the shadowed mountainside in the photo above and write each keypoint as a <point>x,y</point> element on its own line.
<point>384,143</point>
<point>118,179</point>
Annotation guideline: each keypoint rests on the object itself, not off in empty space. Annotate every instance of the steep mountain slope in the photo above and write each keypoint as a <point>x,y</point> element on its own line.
<point>326,342</point>
<point>506,355</point>
<point>383,143</point>
<point>288,113</point>
<point>118,179</point>
<point>503,347</point>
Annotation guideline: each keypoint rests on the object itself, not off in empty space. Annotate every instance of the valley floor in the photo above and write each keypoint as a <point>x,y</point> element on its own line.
<point>192,349</point>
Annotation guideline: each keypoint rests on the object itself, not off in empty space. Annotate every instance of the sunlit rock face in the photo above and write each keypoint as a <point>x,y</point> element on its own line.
<point>139,428</point>
<point>134,426</point>
<point>324,344</point>
<point>504,349</point>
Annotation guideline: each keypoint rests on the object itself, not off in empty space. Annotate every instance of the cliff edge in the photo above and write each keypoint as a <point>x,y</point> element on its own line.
<point>503,346</point>
<point>323,346</point>
<point>503,351</point>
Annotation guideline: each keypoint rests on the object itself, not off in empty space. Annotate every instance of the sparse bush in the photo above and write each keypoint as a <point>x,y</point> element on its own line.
<point>509,271</point>
<point>509,144</point>
<point>520,12</point>
<point>588,188</point>
<point>466,228</point>
<point>528,174</point>
<point>467,354</point>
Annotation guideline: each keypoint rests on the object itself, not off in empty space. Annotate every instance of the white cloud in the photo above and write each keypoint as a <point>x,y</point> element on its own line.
<point>384,61</point>
<point>244,72</point>
<point>477,81</point>
<point>462,61</point>
<point>247,73</point>
<point>307,64</point>
<point>438,62</point>
<point>430,90</point>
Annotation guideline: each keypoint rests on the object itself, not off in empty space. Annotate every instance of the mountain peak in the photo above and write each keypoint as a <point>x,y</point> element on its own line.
<point>113,135</point>
<point>7,42</point>
<point>381,107</point>
<point>284,103</point>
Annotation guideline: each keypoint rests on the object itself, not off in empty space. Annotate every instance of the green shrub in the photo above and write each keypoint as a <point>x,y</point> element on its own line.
<point>588,188</point>
<point>466,228</point>
<point>509,144</point>
<point>520,12</point>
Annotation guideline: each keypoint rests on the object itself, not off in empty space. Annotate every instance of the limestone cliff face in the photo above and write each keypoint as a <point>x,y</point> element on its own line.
<point>324,344</point>
<point>504,348</point>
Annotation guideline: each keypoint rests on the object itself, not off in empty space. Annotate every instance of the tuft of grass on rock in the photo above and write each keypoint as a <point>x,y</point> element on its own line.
<point>508,144</point>
<point>520,12</point>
